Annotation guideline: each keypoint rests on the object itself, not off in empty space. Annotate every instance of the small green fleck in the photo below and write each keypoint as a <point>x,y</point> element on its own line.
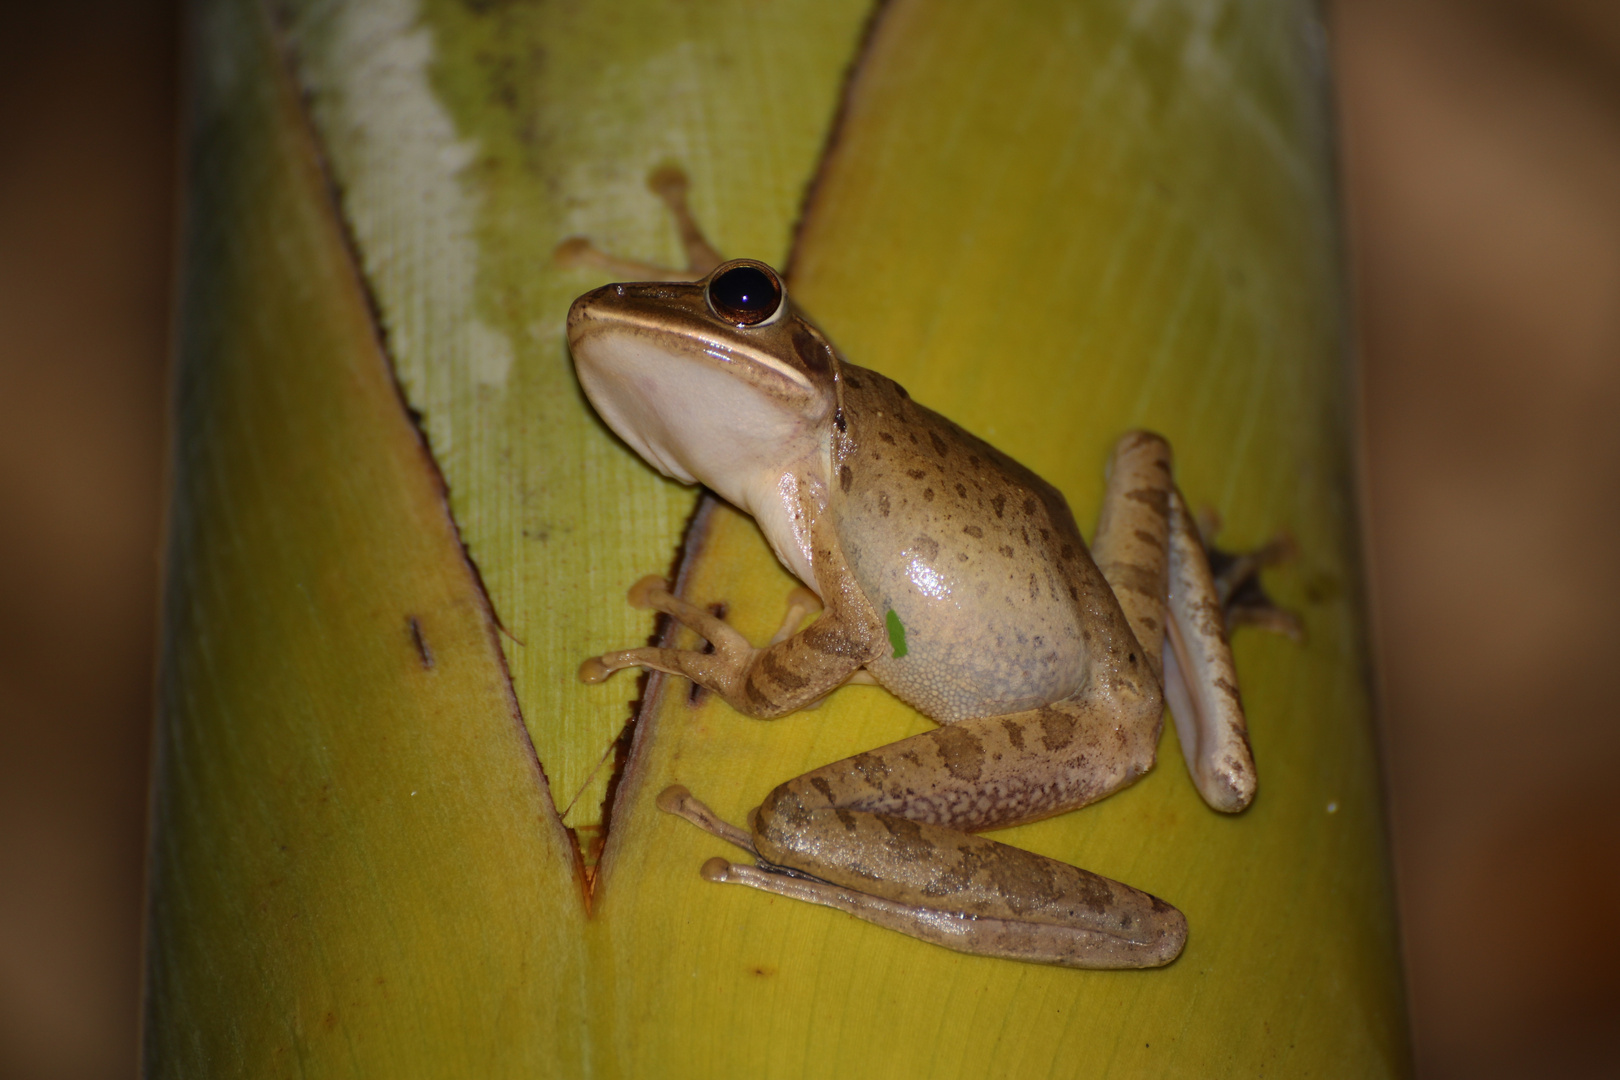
<point>897,634</point>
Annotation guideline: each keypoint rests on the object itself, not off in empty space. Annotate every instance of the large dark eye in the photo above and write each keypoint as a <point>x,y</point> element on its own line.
<point>745,293</point>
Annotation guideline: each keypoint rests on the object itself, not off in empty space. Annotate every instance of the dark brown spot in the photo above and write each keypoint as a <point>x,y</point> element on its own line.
<point>1025,534</point>
<point>998,504</point>
<point>916,474</point>
<point>961,491</point>
<point>961,752</point>
<point>1015,732</point>
<point>783,676</point>
<point>1007,551</point>
<point>927,547</point>
<point>1148,538</point>
<point>1074,593</point>
<point>939,443</point>
<point>821,785</point>
<point>928,494</point>
<point>886,437</point>
<point>973,460</point>
<point>812,351</point>
<point>847,820</point>
<point>845,477</point>
<point>1155,499</point>
<point>1228,688</point>
<point>850,379</point>
<point>1057,729</point>
<point>871,768</point>
<point>1034,588</point>
<point>1029,506</point>
<point>974,531</point>
<point>883,503</point>
<point>912,435</point>
<point>1067,552</point>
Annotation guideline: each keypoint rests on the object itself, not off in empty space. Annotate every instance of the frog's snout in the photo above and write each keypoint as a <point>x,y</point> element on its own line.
<point>581,313</point>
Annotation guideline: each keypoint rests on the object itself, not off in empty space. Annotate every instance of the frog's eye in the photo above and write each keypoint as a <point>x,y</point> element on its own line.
<point>745,293</point>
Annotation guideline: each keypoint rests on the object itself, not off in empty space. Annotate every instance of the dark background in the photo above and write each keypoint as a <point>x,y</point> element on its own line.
<point>1481,155</point>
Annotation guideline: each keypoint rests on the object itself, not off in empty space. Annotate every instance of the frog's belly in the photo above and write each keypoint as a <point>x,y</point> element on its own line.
<point>978,645</point>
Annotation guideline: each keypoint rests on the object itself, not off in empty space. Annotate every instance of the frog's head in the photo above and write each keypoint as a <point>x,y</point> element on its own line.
<point>719,380</point>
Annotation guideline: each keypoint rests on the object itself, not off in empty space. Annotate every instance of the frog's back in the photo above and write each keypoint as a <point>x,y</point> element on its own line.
<point>973,561</point>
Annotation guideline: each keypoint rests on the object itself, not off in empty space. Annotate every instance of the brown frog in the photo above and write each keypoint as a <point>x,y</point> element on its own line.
<point>951,575</point>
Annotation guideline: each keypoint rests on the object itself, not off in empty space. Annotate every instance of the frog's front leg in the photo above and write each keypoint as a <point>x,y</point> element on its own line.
<point>884,836</point>
<point>791,672</point>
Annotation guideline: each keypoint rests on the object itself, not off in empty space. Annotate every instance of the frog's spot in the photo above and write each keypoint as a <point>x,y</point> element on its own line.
<point>1034,588</point>
<point>1057,729</point>
<point>927,547</point>
<point>845,477</point>
<point>961,556</point>
<point>1148,538</point>
<point>851,381</point>
<point>1067,552</point>
<point>974,531</point>
<point>1007,551</point>
<point>961,752</point>
<point>847,820</point>
<point>1015,732</point>
<point>1149,621</point>
<point>886,437</point>
<point>928,494</point>
<point>939,443</point>
<point>883,503</point>
<point>1025,534</point>
<point>1231,691</point>
<point>1155,499</point>
<point>1025,881</point>
<point>912,435</point>
<point>782,676</point>
<point>998,504</point>
<point>871,768</point>
<point>812,353</point>
<point>821,785</point>
<point>1029,506</point>
<point>906,840</point>
<point>961,491</point>
<point>916,474</point>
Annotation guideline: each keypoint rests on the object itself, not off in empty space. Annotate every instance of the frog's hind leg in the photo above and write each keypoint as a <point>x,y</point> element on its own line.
<point>1200,681</point>
<point>887,836</point>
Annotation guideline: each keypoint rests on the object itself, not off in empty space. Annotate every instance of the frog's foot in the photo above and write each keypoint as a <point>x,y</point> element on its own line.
<point>669,183</point>
<point>1237,580</point>
<point>716,668</point>
<point>676,800</point>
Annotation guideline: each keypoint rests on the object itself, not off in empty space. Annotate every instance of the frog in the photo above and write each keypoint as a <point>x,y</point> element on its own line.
<point>946,572</point>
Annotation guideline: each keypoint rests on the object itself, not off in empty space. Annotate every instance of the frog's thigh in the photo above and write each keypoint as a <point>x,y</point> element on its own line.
<point>1200,681</point>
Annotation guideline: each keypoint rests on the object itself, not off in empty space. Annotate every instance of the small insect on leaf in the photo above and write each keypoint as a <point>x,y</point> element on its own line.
<point>897,634</point>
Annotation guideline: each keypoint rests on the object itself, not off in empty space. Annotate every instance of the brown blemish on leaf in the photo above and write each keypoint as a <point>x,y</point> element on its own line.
<point>423,653</point>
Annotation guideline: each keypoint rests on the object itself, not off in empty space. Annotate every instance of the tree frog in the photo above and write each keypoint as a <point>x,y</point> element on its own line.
<point>951,575</point>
